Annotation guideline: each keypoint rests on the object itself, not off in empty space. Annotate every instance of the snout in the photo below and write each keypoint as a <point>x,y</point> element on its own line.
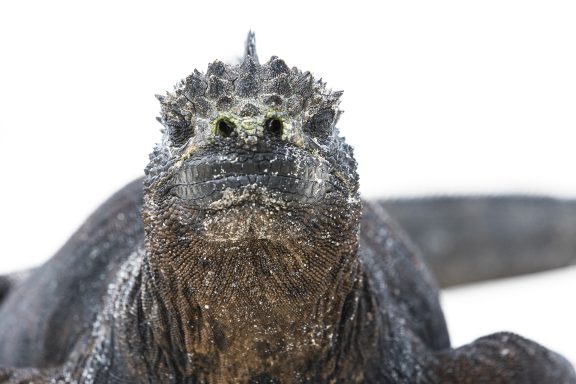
<point>253,176</point>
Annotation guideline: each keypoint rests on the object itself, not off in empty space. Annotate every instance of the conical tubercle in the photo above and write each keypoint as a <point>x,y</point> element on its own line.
<point>250,47</point>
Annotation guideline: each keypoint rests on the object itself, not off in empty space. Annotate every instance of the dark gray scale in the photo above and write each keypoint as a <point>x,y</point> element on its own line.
<point>245,254</point>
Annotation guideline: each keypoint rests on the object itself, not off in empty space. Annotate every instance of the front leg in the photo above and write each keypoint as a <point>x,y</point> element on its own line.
<point>502,358</point>
<point>31,376</point>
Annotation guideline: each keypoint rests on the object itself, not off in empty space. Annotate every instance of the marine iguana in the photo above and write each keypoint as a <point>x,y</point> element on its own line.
<point>246,255</point>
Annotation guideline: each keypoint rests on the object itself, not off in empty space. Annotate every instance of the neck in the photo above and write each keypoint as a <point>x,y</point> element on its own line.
<point>243,334</point>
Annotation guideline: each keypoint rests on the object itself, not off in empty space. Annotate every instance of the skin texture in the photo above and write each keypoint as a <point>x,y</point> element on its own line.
<point>246,255</point>
<point>475,238</point>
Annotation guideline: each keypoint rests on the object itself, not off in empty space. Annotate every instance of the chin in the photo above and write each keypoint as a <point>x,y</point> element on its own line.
<point>252,220</point>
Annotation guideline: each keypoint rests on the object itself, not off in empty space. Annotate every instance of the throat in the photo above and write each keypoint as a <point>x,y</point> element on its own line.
<point>252,279</point>
<point>250,308</point>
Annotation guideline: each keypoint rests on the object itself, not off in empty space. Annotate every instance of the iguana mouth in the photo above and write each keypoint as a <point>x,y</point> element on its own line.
<point>217,181</point>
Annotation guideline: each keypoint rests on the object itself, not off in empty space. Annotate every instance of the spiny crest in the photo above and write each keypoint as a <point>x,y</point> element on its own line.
<point>227,87</point>
<point>250,46</point>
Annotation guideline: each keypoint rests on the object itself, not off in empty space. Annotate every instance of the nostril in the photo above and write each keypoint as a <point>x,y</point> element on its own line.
<point>225,127</point>
<point>274,126</point>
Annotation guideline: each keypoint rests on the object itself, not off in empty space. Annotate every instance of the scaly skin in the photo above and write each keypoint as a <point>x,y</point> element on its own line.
<point>253,261</point>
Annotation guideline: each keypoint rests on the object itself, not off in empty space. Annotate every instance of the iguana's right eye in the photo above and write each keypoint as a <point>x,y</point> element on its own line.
<point>180,133</point>
<point>225,127</point>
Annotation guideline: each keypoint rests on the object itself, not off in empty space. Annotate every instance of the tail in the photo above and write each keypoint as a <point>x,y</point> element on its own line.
<point>468,239</point>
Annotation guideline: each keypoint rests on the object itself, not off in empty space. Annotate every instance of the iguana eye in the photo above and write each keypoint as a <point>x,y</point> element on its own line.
<point>274,126</point>
<point>180,133</point>
<point>225,127</point>
<point>322,122</point>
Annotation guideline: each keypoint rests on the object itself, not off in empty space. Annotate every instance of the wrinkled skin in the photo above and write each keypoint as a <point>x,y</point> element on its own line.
<point>246,255</point>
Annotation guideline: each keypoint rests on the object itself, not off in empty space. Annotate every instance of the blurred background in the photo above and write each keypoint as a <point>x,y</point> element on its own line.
<point>443,97</point>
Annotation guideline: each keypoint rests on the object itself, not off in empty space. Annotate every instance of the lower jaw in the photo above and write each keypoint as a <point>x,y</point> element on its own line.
<point>254,221</point>
<point>228,196</point>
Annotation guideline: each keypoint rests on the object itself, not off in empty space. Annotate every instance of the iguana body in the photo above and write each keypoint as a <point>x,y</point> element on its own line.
<point>246,255</point>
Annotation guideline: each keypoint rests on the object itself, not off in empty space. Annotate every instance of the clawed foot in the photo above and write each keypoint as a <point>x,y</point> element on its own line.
<point>502,358</point>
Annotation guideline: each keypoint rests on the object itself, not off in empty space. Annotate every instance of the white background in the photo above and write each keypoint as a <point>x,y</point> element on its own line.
<point>440,97</point>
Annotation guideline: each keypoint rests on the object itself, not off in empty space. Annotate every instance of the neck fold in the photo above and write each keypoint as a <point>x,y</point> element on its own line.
<point>222,340</point>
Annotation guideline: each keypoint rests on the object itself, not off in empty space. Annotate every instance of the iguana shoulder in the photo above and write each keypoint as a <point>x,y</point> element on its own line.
<point>57,303</point>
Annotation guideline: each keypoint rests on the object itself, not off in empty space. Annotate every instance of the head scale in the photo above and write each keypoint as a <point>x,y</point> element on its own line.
<point>270,86</point>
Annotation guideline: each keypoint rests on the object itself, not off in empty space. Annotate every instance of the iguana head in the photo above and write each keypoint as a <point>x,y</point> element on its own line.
<point>241,141</point>
<point>251,160</point>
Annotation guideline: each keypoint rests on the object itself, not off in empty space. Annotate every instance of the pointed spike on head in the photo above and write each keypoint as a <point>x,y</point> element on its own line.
<point>249,66</point>
<point>277,67</point>
<point>337,94</point>
<point>217,68</point>
<point>250,47</point>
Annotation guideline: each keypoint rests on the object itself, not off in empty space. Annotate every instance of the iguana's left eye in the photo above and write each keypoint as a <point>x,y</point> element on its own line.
<point>322,121</point>
<point>321,124</point>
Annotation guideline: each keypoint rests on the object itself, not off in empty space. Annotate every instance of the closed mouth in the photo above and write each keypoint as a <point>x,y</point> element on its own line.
<point>256,177</point>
